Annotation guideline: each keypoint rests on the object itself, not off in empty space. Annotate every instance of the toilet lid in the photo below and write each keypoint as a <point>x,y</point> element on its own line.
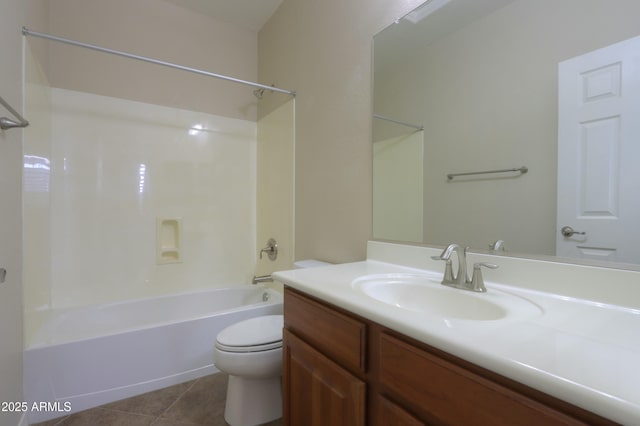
<point>252,335</point>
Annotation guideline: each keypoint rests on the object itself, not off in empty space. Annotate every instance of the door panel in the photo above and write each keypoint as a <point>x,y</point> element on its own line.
<point>598,152</point>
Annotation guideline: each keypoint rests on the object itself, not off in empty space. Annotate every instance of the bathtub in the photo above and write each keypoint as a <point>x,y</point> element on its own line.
<point>84,357</point>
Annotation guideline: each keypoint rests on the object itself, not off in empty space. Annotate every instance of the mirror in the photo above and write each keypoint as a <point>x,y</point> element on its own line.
<point>539,92</point>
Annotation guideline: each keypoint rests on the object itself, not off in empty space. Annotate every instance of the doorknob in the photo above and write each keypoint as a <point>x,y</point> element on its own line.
<point>568,231</point>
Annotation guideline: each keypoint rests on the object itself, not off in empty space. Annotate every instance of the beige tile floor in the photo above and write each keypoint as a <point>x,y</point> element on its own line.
<point>196,403</point>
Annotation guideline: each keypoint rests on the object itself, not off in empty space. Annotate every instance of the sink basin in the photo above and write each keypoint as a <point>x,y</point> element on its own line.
<point>422,293</point>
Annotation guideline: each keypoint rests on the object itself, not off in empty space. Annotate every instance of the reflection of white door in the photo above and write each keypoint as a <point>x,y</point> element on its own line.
<point>599,154</point>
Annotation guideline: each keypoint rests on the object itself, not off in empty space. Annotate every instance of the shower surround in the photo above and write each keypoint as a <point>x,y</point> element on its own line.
<point>99,174</point>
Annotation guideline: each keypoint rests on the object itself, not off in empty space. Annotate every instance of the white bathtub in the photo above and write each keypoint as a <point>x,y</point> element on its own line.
<point>84,357</point>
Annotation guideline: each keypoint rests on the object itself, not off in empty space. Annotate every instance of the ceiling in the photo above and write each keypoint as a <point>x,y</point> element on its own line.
<point>251,14</point>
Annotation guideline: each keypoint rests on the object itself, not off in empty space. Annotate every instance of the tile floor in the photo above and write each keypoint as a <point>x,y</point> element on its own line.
<point>196,403</point>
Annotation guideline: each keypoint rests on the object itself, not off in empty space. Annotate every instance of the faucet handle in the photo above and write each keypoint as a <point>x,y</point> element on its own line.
<point>486,265</point>
<point>477,282</point>
<point>448,269</point>
<point>271,249</point>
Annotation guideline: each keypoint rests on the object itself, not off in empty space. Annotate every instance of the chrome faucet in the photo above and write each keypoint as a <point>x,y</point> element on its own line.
<point>461,279</point>
<point>261,279</point>
<point>497,246</point>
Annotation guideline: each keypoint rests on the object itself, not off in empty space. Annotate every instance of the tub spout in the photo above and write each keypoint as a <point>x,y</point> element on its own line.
<point>261,279</point>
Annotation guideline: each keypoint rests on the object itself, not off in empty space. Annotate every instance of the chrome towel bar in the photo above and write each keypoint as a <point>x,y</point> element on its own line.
<point>402,123</point>
<point>8,123</point>
<point>522,170</point>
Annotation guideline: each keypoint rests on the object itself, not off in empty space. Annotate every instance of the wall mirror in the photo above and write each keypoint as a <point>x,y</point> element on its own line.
<point>542,98</point>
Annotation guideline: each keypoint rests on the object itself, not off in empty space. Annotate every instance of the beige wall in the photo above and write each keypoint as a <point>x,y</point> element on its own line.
<point>13,14</point>
<point>322,49</point>
<point>10,248</point>
<point>160,30</point>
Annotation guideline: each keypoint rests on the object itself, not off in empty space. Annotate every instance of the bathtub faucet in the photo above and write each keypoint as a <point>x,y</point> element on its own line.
<point>271,249</point>
<point>261,279</point>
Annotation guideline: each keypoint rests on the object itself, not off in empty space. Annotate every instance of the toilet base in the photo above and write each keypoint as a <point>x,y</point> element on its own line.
<point>252,402</point>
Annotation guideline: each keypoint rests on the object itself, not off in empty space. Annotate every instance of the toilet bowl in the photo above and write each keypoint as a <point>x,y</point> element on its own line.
<point>250,351</point>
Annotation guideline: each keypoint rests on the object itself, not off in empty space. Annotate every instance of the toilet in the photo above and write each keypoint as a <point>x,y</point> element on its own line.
<point>250,351</point>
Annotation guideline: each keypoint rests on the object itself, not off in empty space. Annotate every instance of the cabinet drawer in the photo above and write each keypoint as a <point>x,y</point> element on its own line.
<point>389,413</point>
<point>337,335</point>
<point>443,392</point>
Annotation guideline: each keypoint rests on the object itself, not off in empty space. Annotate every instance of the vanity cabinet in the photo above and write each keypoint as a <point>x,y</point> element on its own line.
<point>323,374</point>
<point>319,391</point>
<point>341,369</point>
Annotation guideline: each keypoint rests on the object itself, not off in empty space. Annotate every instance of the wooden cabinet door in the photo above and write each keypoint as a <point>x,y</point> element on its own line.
<point>318,391</point>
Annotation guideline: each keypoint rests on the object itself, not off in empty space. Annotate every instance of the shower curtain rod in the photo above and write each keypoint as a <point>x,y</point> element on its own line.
<point>28,32</point>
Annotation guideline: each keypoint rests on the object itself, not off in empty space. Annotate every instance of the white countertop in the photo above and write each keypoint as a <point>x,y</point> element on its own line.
<point>584,352</point>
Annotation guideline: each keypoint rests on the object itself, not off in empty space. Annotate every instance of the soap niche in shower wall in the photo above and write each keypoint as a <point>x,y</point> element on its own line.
<point>168,240</point>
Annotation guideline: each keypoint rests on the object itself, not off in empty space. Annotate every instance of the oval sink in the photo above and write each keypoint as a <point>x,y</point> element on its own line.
<point>422,293</point>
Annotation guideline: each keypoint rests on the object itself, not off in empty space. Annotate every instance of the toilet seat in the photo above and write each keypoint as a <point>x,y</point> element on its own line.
<point>255,348</point>
<point>253,335</point>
